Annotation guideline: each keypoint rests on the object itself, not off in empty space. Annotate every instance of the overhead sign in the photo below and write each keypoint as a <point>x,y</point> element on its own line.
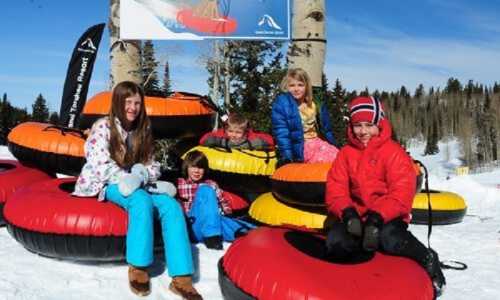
<point>205,19</point>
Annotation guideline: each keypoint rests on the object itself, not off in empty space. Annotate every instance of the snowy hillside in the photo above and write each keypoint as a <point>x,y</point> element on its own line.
<point>475,241</point>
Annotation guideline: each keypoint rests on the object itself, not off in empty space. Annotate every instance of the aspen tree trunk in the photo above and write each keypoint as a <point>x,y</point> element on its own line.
<point>227,98</point>
<point>217,73</point>
<point>307,50</point>
<point>125,55</point>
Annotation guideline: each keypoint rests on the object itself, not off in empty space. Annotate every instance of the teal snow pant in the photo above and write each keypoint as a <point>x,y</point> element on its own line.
<point>140,206</point>
<point>206,219</point>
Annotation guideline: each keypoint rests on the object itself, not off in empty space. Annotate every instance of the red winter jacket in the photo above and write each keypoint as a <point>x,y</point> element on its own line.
<point>379,177</point>
<point>254,140</point>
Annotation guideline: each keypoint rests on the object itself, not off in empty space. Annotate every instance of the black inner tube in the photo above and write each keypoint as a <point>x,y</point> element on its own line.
<point>6,166</point>
<point>314,246</point>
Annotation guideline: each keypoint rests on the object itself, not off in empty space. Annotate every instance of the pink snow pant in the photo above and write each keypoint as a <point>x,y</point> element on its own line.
<point>317,150</point>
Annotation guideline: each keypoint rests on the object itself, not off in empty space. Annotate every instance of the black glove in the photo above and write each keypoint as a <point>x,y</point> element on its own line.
<point>352,221</point>
<point>371,237</point>
<point>213,242</point>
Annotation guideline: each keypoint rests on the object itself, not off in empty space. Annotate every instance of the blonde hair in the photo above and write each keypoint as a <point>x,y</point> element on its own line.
<point>142,147</point>
<point>237,120</point>
<point>300,75</point>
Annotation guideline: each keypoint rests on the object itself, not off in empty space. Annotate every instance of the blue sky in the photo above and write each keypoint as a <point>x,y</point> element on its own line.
<point>379,44</point>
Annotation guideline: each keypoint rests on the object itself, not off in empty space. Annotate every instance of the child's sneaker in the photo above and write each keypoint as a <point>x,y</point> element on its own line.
<point>213,242</point>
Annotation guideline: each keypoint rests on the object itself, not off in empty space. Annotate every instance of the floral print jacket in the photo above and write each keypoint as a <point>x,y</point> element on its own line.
<point>100,169</point>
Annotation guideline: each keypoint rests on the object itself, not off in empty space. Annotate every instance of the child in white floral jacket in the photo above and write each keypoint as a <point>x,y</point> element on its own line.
<point>120,168</point>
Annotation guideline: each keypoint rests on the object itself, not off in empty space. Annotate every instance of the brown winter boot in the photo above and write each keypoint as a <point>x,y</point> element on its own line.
<point>183,286</point>
<point>138,280</point>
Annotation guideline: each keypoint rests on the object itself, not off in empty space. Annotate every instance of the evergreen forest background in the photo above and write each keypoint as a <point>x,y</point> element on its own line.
<point>252,72</point>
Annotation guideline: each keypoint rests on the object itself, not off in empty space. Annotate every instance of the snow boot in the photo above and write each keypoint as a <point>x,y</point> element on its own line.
<point>213,242</point>
<point>183,286</point>
<point>138,279</point>
<point>433,268</point>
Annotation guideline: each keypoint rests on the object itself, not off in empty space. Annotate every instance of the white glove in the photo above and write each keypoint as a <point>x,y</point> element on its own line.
<point>162,187</point>
<point>128,184</point>
<point>140,171</point>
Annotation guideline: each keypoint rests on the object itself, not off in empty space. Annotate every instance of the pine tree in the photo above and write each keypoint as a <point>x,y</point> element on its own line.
<point>403,92</point>
<point>453,86</point>
<point>148,70</point>
<point>496,88</point>
<point>420,91</point>
<point>365,92</point>
<point>254,71</point>
<point>469,89</point>
<point>40,110</point>
<point>339,112</point>
<point>167,84</point>
<point>6,119</point>
<point>247,64</point>
<point>54,118</point>
<point>432,139</point>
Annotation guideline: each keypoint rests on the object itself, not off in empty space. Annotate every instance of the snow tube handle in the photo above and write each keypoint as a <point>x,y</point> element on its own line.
<point>65,130</point>
<point>453,265</point>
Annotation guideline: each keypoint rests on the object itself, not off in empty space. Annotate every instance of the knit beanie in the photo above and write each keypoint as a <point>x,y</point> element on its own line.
<point>366,109</point>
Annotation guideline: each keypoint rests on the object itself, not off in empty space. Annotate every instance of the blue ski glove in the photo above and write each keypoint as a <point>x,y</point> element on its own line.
<point>162,187</point>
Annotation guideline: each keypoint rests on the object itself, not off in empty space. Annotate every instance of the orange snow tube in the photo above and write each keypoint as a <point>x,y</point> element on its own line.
<point>214,26</point>
<point>48,147</point>
<point>301,184</point>
<point>178,116</point>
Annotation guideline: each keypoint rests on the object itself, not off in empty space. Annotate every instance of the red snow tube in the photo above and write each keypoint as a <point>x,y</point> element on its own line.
<point>14,176</point>
<point>219,26</point>
<point>47,220</point>
<point>237,203</point>
<point>293,267</point>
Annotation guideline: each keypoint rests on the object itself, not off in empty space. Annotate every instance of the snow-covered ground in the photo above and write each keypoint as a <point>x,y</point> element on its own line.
<point>475,241</point>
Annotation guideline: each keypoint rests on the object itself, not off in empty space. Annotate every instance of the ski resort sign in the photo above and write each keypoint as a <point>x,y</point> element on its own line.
<point>204,19</point>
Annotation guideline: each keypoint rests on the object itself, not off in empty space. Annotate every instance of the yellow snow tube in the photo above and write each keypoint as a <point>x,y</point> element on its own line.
<point>249,162</point>
<point>447,208</point>
<point>242,172</point>
<point>266,209</point>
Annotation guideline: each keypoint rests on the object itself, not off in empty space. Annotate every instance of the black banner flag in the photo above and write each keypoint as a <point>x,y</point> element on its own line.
<point>78,76</point>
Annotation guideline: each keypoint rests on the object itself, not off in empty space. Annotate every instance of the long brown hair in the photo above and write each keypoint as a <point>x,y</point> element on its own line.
<point>197,159</point>
<point>142,146</point>
<point>301,75</point>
